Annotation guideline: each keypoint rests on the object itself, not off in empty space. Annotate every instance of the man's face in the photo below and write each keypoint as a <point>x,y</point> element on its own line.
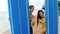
<point>31,9</point>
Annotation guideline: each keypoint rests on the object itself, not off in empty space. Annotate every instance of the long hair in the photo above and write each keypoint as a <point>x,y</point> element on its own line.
<point>38,16</point>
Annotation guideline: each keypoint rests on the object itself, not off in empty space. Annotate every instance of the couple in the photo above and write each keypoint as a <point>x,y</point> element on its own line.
<point>40,20</point>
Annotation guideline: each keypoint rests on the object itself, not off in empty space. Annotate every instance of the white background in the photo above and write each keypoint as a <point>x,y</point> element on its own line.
<point>4,22</point>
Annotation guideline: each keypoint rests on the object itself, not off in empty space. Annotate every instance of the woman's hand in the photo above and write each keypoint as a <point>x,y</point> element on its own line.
<point>40,21</point>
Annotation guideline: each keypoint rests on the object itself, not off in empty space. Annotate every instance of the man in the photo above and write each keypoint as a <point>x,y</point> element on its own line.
<point>31,9</point>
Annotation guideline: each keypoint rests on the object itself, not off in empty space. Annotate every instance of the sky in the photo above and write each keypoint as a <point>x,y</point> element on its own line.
<point>3,5</point>
<point>37,3</point>
<point>4,22</point>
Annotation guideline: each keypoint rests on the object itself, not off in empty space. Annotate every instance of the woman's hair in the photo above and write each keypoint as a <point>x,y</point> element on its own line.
<point>38,15</point>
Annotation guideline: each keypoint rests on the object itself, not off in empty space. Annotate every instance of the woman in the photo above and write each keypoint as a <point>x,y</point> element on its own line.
<point>41,21</point>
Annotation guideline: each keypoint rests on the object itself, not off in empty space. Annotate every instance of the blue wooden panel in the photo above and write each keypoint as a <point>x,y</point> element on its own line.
<point>50,16</point>
<point>47,16</point>
<point>9,9</point>
<point>25,17</point>
<point>14,16</point>
<point>55,17</point>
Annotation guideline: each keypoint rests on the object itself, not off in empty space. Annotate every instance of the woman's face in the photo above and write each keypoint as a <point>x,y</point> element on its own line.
<point>41,14</point>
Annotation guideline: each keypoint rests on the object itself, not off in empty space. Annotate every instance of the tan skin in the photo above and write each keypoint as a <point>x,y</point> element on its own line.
<point>31,10</point>
<point>41,14</point>
<point>32,20</point>
<point>31,16</point>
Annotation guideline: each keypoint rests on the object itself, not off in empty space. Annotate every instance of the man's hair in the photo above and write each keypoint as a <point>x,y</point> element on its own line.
<point>31,6</point>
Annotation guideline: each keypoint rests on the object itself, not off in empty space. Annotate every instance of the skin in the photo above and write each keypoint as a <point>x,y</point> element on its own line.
<point>31,10</point>
<point>31,16</point>
<point>41,14</point>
